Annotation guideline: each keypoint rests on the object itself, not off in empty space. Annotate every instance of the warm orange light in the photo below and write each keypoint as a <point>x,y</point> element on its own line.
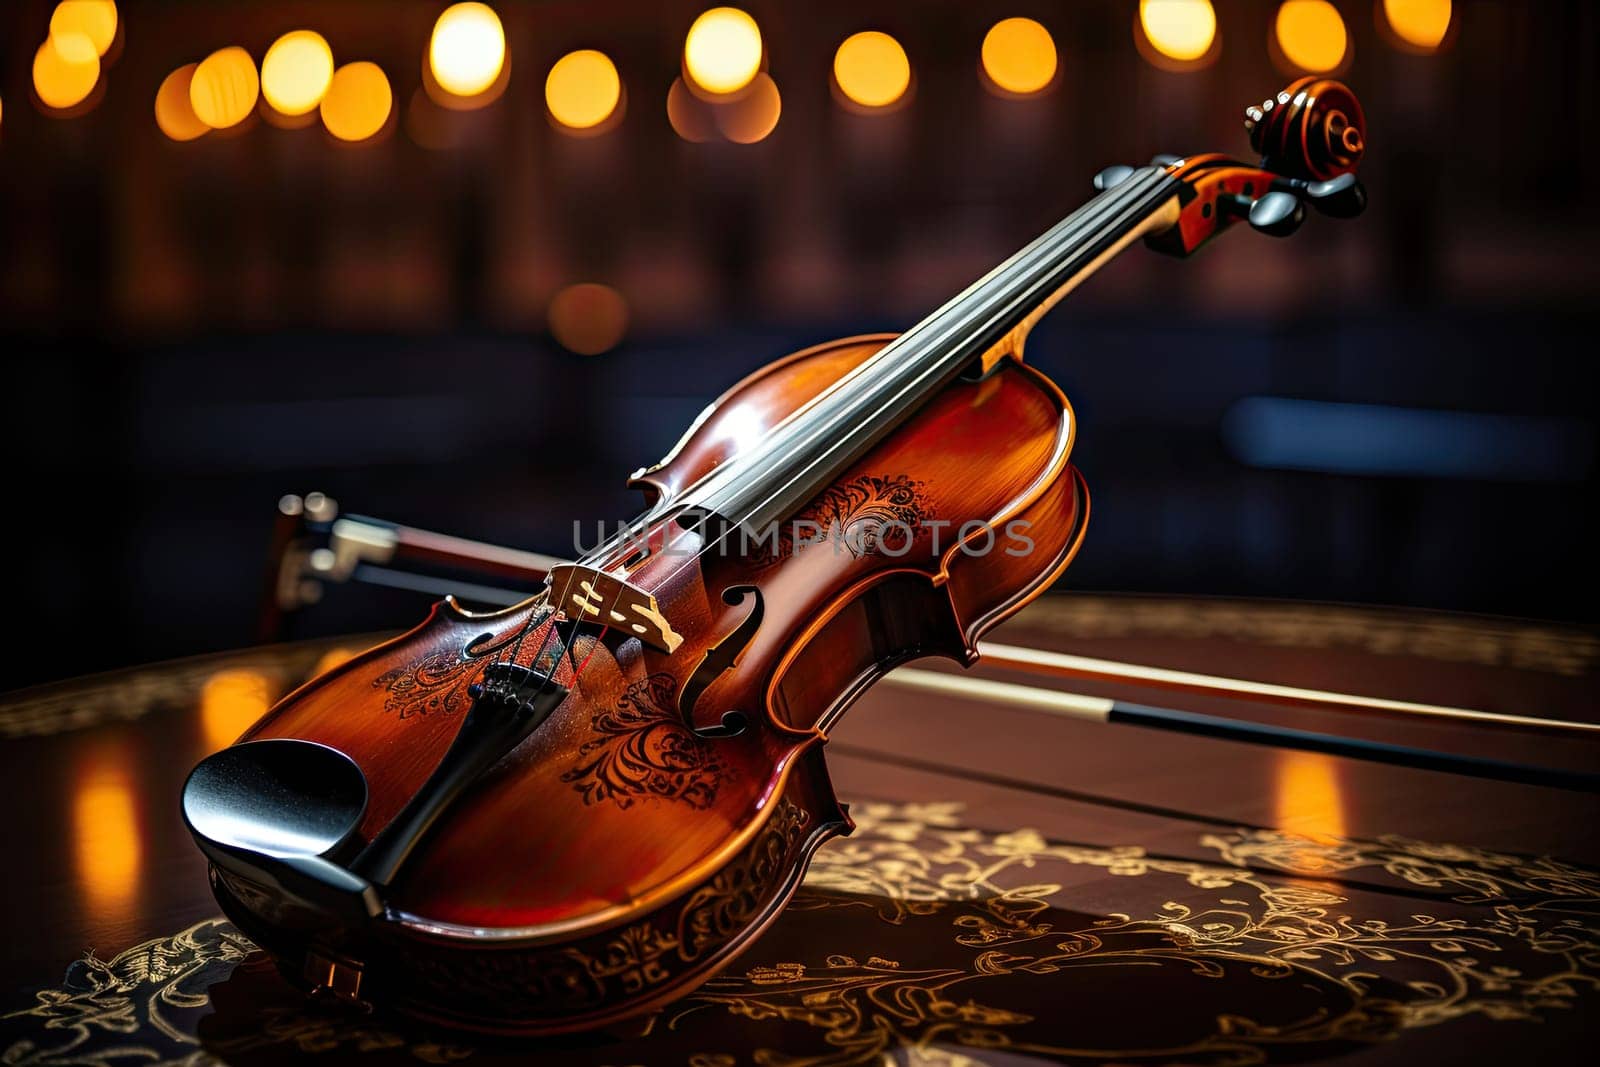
<point>1019,56</point>
<point>689,115</point>
<point>296,72</point>
<point>107,843</point>
<point>74,47</point>
<point>358,102</point>
<point>61,83</point>
<point>334,657</point>
<point>752,115</point>
<point>1307,796</point>
<point>95,21</point>
<point>583,89</point>
<point>1422,24</point>
<point>467,49</point>
<point>1179,29</point>
<point>224,88</point>
<point>174,113</point>
<point>722,51</point>
<point>871,69</point>
<point>230,702</point>
<point>1311,35</point>
<point>588,319</point>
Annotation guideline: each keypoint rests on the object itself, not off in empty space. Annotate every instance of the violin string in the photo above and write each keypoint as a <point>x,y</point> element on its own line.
<point>1131,208</point>
<point>978,301</point>
<point>605,628</point>
<point>513,649</point>
<point>1045,246</point>
<point>1011,297</point>
<point>565,653</point>
<point>884,360</point>
<point>561,604</point>
<point>527,625</point>
<point>1134,202</point>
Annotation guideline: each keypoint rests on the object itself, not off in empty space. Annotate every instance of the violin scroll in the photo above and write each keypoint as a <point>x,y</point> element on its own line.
<point>1314,129</point>
<point>1311,137</point>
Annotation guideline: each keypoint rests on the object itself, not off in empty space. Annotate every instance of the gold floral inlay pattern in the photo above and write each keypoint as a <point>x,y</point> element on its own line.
<point>920,940</point>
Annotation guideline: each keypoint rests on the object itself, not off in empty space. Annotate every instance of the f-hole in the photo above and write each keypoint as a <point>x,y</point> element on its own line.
<point>718,658</point>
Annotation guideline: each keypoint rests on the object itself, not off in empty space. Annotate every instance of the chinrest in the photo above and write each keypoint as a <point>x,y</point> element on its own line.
<point>276,812</point>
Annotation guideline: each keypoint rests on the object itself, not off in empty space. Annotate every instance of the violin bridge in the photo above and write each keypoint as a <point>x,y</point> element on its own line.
<point>591,595</point>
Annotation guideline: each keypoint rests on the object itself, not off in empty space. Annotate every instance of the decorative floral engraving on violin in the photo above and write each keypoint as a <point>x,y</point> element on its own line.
<point>862,511</point>
<point>642,749</point>
<point>439,680</point>
<point>436,682</point>
<point>855,517</point>
<point>588,974</point>
<point>725,905</point>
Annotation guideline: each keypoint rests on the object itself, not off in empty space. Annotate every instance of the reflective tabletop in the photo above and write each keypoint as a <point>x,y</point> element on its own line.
<point>1018,888</point>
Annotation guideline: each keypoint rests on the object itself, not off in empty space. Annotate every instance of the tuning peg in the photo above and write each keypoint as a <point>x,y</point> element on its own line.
<point>1277,214</point>
<point>1341,198</point>
<point>1113,175</point>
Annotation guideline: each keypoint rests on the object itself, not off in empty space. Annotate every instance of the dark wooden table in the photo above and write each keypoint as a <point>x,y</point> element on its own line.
<point>1019,888</point>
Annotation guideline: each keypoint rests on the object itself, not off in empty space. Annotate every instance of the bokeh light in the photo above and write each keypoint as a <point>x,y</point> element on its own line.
<point>224,88</point>
<point>107,835</point>
<point>871,69</point>
<point>174,113</point>
<point>358,101</point>
<point>588,318</point>
<point>74,47</point>
<point>1019,56</point>
<point>296,71</point>
<point>1181,30</point>
<point>1308,796</point>
<point>334,657</point>
<point>1420,24</point>
<point>230,703</point>
<point>1311,35</point>
<point>722,51</point>
<point>62,83</point>
<point>754,114</point>
<point>93,20</point>
<point>582,89</point>
<point>467,49</point>
<point>689,115</point>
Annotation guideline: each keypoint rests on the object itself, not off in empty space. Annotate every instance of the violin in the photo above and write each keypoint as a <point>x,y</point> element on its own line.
<point>556,816</point>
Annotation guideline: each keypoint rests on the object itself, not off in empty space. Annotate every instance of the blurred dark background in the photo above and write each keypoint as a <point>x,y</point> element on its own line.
<point>192,329</point>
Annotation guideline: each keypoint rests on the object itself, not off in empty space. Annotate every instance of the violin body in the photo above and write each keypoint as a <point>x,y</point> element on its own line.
<point>559,815</point>
<point>615,860</point>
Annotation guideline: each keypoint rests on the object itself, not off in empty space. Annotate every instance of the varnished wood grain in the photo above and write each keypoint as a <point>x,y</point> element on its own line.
<point>613,812</point>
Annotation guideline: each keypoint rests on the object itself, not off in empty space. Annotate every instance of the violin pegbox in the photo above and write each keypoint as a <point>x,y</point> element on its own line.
<point>1311,137</point>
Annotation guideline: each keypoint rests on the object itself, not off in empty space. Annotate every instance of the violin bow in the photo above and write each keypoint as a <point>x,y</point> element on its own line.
<point>372,551</point>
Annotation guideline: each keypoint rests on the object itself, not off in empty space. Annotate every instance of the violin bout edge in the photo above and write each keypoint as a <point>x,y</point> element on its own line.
<point>536,986</point>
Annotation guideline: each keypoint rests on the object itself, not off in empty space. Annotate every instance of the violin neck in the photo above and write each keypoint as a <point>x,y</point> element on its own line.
<point>984,324</point>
